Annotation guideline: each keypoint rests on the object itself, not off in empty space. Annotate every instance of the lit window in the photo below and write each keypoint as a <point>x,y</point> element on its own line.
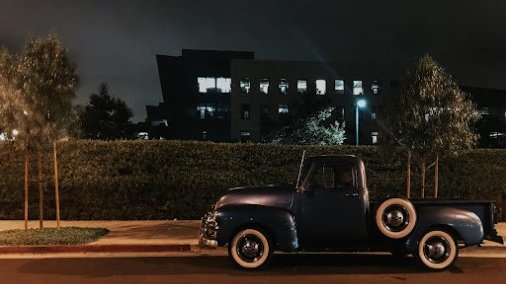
<point>206,111</point>
<point>245,85</point>
<point>282,109</point>
<point>245,136</point>
<point>223,85</point>
<point>245,112</point>
<point>496,135</point>
<point>283,86</point>
<point>375,87</point>
<point>204,135</point>
<point>201,111</point>
<point>374,137</point>
<point>373,115</point>
<point>358,88</point>
<point>301,86</point>
<point>339,87</point>
<point>206,84</point>
<point>264,86</point>
<point>321,87</point>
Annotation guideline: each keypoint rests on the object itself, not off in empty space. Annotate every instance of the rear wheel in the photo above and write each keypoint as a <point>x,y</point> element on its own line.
<point>437,250</point>
<point>250,249</point>
<point>396,218</point>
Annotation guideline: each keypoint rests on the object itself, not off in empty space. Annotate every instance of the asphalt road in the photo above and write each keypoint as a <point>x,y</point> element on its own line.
<point>217,269</point>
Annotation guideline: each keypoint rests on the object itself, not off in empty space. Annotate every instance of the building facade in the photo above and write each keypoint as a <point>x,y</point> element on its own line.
<point>228,96</point>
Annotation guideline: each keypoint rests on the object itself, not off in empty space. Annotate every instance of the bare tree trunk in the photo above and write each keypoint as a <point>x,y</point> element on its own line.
<point>41,191</point>
<point>436,176</point>
<point>26,191</point>
<point>408,176</point>
<point>56,187</point>
<point>422,179</point>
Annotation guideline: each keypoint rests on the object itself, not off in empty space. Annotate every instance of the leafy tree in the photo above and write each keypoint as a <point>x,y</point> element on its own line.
<point>106,117</point>
<point>429,115</point>
<point>317,129</point>
<point>37,89</point>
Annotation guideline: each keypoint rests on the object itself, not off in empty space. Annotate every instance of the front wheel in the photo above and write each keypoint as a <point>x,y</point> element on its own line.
<point>250,249</point>
<point>437,250</point>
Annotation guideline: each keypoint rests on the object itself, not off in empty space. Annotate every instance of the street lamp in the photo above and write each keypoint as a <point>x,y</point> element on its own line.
<point>361,103</point>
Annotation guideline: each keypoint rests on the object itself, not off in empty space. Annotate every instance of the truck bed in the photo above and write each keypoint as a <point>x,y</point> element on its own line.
<point>486,211</point>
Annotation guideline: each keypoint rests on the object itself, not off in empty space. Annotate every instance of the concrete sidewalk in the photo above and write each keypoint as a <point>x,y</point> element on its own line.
<point>151,236</point>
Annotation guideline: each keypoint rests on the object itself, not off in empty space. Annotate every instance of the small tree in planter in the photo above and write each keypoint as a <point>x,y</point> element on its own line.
<point>37,109</point>
<point>429,115</point>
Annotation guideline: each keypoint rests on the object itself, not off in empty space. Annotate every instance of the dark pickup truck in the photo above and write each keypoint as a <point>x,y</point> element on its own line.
<point>329,210</point>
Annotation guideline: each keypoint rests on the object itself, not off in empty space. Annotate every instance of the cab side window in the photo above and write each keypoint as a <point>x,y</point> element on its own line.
<point>323,177</point>
<point>332,176</point>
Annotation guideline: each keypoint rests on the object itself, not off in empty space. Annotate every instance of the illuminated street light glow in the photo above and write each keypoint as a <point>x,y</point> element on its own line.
<point>15,132</point>
<point>361,103</point>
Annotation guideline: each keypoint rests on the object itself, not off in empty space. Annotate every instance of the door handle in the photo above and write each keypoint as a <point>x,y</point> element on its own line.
<point>355,194</point>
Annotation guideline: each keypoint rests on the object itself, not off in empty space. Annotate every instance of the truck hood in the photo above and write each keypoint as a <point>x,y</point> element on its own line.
<point>272,195</point>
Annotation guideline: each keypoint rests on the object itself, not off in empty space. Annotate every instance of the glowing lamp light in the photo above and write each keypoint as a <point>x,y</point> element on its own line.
<point>361,103</point>
<point>15,132</point>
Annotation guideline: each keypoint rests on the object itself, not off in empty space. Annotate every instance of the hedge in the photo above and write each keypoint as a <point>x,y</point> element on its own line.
<point>174,179</point>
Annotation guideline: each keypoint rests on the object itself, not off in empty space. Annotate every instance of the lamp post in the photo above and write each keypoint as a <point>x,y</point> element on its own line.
<point>361,103</point>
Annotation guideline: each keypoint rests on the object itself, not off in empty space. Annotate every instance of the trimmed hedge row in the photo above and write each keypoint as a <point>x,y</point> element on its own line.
<point>173,179</point>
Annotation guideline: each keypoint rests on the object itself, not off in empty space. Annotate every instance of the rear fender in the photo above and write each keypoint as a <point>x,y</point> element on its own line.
<point>278,223</point>
<point>464,225</point>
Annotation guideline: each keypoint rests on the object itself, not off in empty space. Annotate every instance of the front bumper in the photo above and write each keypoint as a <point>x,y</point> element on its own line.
<point>208,230</point>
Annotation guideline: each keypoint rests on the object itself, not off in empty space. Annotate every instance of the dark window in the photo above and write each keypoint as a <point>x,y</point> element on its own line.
<point>340,113</point>
<point>265,111</point>
<point>222,111</point>
<point>245,112</point>
<point>245,136</point>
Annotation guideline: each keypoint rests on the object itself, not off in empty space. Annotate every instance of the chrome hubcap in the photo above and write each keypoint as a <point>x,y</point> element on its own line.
<point>395,218</point>
<point>249,248</point>
<point>436,249</point>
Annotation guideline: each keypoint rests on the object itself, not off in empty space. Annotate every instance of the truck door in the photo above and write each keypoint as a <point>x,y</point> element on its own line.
<point>332,213</point>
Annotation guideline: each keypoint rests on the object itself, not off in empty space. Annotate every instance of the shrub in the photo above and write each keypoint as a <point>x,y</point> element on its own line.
<point>174,179</point>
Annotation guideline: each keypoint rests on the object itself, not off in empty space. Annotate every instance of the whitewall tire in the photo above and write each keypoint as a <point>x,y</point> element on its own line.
<point>437,250</point>
<point>250,249</point>
<point>396,218</point>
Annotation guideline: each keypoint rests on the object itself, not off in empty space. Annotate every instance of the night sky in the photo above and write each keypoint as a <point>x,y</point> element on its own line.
<point>116,41</point>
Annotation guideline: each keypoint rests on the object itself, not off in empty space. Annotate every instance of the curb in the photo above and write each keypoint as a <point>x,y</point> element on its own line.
<point>94,249</point>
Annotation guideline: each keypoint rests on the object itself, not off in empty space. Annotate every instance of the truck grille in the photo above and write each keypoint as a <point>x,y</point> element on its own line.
<point>209,226</point>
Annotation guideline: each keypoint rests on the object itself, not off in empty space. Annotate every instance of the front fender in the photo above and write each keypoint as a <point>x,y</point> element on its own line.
<point>463,224</point>
<point>278,223</point>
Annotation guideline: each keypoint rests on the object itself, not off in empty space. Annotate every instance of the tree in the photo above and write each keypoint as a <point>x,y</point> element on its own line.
<point>38,87</point>
<point>106,117</point>
<point>429,115</point>
<point>317,129</point>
